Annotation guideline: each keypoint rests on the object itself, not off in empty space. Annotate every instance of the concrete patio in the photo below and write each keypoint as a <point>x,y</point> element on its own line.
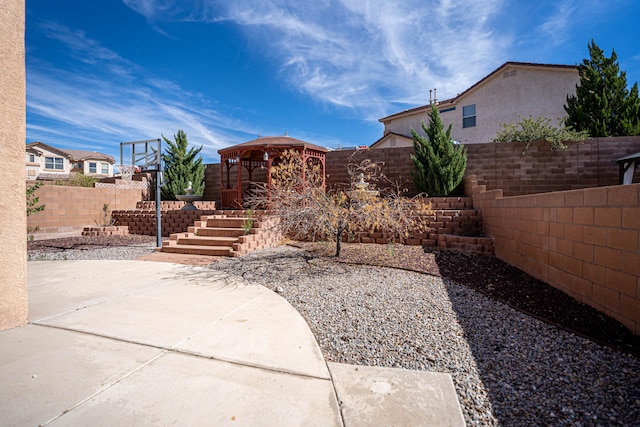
<point>157,343</point>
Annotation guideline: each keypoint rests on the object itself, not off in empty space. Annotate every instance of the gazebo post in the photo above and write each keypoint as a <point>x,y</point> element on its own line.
<point>239,173</point>
<point>269,164</point>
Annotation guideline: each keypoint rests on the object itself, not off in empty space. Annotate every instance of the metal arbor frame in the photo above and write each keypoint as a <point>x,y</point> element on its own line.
<point>260,153</point>
<point>149,159</point>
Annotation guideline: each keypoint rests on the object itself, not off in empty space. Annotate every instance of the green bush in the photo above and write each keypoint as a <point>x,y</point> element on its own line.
<point>78,180</point>
<point>529,129</point>
<point>439,164</point>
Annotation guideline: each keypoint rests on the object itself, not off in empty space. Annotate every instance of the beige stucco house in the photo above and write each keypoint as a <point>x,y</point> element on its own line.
<point>514,91</point>
<point>46,162</point>
<point>13,131</point>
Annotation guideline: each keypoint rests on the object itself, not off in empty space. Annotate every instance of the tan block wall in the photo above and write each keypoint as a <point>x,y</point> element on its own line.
<point>585,164</point>
<point>13,251</point>
<point>502,166</point>
<point>212,182</point>
<point>584,242</point>
<point>70,209</point>
<point>397,166</point>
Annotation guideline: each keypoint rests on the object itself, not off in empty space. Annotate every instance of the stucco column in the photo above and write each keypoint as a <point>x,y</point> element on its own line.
<point>13,216</point>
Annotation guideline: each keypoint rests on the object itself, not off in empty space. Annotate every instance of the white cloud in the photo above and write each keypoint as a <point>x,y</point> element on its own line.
<point>568,16</point>
<point>124,103</point>
<point>365,55</point>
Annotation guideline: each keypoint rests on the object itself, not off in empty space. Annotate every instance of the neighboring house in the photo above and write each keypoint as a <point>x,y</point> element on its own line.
<point>514,91</point>
<point>46,162</point>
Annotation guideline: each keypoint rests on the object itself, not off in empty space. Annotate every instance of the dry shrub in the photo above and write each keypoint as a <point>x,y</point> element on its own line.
<point>307,212</point>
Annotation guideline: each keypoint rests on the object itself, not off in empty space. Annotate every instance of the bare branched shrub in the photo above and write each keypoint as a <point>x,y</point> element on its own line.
<point>307,212</point>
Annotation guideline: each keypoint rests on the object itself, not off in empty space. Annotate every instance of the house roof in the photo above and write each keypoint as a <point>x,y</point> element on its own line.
<point>451,101</point>
<point>82,155</point>
<point>273,141</point>
<point>386,136</point>
<point>73,155</point>
<point>57,151</point>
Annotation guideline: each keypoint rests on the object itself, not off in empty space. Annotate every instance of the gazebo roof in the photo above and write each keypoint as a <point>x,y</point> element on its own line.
<point>281,142</point>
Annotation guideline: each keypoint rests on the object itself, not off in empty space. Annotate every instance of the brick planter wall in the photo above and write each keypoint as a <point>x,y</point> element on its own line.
<point>113,230</point>
<point>172,221</point>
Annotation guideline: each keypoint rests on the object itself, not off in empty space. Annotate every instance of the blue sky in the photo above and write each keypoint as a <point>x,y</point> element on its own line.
<point>325,71</point>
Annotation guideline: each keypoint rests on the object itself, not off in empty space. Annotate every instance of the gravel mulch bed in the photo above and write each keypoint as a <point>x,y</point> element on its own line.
<point>499,281</point>
<point>91,247</point>
<point>508,368</point>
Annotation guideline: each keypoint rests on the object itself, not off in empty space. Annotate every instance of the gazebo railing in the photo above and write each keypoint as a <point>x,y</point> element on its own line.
<point>229,197</point>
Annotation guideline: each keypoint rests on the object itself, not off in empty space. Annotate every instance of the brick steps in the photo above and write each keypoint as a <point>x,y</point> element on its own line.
<point>217,232</point>
<point>198,250</point>
<point>196,240</point>
<point>222,234</point>
<point>454,224</point>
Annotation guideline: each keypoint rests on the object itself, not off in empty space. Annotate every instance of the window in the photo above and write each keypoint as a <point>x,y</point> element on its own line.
<point>93,167</point>
<point>32,158</point>
<point>105,168</point>
<point>56,163</point>
<point>469,116</point>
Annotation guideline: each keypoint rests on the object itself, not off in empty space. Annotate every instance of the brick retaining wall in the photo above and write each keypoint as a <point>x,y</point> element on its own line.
<point>585,242</point>
<point>143,221</point>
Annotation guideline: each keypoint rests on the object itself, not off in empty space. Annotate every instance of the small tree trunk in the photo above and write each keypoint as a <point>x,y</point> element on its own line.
<point>341,228</point>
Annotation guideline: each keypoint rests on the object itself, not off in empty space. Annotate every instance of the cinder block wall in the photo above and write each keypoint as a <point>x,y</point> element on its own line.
<point>503,166</point>
<point>69,209</point>
<point>584,242</point>
<point>585,164</point>
<point>397,166</point>
<point>212,182</point>
<point>497,166</point>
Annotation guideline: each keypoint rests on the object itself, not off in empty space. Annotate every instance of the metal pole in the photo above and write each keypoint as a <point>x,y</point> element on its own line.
<point>158,214</point>
<point>159,184</point>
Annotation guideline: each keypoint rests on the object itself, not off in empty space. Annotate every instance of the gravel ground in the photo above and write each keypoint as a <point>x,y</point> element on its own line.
<point>84,247</point>
<point>508,368</point>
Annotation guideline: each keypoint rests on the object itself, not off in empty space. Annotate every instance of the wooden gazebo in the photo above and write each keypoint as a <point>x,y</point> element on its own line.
<point>258,155</point>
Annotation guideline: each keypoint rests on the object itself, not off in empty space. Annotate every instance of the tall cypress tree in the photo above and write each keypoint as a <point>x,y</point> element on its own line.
<point>181,166</point>
<point>603,105</point>
<point>439,164</point>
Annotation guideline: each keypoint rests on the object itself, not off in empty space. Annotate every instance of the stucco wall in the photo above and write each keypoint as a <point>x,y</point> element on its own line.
<point>13,251</point>
<point>69,209</point>
<point>537,92</point>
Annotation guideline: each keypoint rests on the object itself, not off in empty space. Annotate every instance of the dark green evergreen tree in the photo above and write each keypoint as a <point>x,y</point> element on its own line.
<point>603,105</point>
<point>181,165</point>
<point>439,164</point>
